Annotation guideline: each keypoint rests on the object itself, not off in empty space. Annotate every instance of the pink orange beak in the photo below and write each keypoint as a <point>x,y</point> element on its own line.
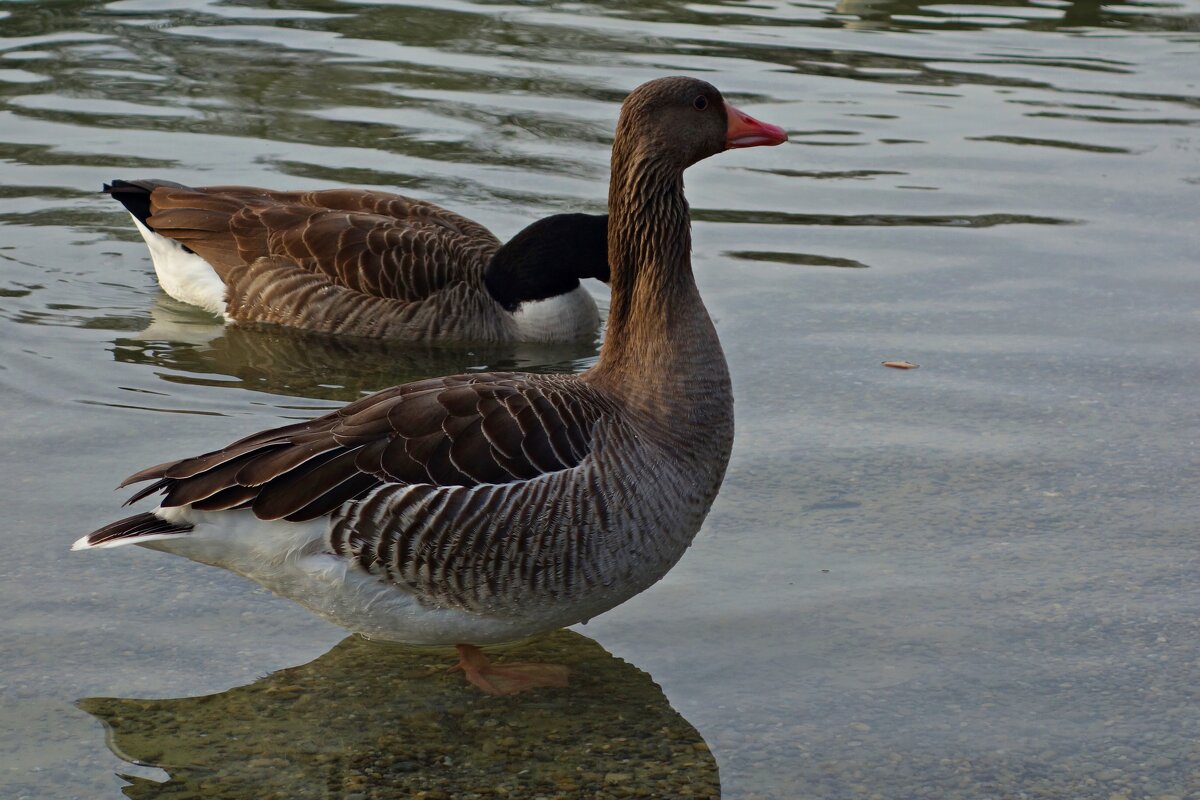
<point>745,131</point>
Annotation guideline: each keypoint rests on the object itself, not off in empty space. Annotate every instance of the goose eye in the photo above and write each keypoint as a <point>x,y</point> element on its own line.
<point>700,103</point>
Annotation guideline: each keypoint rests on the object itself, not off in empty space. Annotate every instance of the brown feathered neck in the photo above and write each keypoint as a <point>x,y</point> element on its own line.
<point>660,344</point>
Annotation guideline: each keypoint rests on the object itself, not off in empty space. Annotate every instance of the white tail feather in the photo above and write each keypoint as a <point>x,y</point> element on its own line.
<point>182,274</point>
<point>82,543</point>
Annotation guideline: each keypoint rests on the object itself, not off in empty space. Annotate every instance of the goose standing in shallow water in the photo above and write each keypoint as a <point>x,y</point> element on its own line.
<point>484,508</point>
<point>368,263</point>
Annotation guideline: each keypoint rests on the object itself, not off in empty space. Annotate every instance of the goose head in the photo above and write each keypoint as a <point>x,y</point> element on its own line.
<point>548,258</point>
<point>675,122</point>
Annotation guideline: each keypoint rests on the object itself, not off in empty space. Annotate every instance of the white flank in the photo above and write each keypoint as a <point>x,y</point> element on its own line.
<point>293,560</point>
<point>566,317</point>
<point>185,276</point>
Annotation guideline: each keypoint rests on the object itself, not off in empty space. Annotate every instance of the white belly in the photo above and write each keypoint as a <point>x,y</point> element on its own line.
<point>292,560</point>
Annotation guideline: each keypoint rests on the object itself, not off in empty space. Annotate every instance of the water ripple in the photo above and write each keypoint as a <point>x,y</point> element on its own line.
<point>875,220</point>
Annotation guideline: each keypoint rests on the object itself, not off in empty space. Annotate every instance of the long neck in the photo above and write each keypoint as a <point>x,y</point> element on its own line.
<point>661,353</point>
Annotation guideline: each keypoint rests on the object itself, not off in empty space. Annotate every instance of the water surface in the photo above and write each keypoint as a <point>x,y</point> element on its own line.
<point>974,579</point>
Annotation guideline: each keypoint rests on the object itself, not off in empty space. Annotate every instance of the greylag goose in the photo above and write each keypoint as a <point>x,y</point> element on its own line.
<point>485,508</point>
<point>368,263</point>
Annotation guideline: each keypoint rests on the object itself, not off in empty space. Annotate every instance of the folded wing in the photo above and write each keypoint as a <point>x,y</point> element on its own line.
<point>467,430</point>
<point>375,243</point>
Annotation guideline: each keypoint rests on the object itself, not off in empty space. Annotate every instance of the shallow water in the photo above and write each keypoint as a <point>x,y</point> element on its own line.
<point>974,579</point>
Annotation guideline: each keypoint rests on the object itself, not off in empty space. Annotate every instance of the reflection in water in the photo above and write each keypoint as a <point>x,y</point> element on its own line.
<point>195,349</point>
<point>912,14</point>
<point>378,720</point>
<point>800,259</point>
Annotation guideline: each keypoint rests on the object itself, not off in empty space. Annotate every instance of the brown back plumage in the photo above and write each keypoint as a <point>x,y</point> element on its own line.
<point>376,243</point>
<point>458,431</point>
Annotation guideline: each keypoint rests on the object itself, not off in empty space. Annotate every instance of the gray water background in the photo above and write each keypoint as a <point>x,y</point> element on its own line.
<point>976,579</point>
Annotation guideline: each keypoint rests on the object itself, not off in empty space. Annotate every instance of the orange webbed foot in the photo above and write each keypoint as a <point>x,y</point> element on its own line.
<point>505,679</point>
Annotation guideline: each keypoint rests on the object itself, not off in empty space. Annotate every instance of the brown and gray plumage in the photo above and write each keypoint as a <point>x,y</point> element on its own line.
<point>367,263</point>
<point>483,508</point>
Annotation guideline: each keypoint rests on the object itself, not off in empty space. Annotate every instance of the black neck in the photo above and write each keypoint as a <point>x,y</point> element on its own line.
<point>548,259</point>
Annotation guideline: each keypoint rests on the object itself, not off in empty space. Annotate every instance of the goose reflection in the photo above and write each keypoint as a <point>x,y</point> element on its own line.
<point>194,348</point>
<point>379,720</point>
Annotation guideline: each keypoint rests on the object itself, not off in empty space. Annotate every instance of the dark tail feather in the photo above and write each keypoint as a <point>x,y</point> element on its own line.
<point>130,530</point>
<point>135,195</point>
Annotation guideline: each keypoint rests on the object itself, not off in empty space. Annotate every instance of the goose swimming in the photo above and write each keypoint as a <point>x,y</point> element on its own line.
<point>359,262</point>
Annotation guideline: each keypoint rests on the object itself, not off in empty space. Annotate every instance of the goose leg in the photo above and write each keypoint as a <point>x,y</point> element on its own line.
<point>504,679</point>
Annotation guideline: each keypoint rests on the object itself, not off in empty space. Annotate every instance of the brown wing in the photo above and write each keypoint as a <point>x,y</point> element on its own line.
<point>466,430</point>
<point>384,204</point>
<point>376,243</point>
<point>278,290</point>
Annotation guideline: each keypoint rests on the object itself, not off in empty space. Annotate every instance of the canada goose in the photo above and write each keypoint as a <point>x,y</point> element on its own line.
<point>484,508</point>
<point>368,263</point>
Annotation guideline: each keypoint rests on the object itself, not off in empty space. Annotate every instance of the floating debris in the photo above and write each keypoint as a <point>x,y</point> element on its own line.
<point>900,364</point>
